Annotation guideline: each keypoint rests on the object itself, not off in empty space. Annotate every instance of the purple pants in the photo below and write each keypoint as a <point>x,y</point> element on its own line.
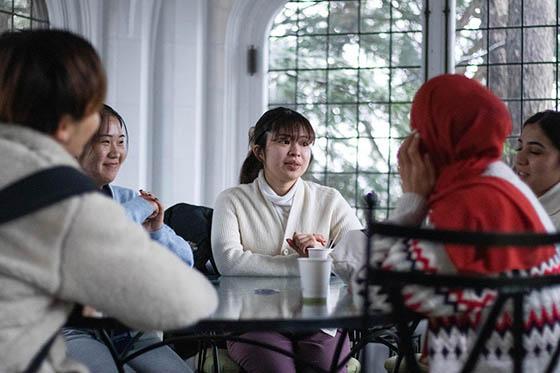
<point>316,348</point>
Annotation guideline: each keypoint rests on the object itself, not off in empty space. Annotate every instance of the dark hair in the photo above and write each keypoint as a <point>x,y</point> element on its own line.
<point>549,122</point>
<point>276,120</point>
<point>46,74</point>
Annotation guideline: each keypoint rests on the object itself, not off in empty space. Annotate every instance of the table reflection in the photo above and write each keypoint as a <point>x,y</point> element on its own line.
<point>278,298</point>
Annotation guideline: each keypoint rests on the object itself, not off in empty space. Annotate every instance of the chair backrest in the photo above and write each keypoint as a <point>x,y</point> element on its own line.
<point>194,224</point>
<point>514,288</point>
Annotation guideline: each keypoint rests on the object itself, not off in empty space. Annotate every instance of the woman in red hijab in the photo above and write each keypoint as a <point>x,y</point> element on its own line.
<point>453,178</point>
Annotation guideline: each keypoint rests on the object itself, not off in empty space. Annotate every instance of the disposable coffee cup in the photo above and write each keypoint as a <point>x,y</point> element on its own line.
<point>314,277</point>
<point>318,252</point>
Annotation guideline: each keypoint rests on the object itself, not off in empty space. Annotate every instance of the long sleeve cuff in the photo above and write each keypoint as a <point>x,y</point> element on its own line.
<point>411,210</point>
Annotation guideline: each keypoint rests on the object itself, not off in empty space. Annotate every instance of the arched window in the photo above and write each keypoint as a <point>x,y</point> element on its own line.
<point>352,67</point>
<point>23,14</point>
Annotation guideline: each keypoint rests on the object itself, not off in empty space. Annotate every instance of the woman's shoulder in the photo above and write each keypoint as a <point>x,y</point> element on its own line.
<point>241,191</point>
<point>321,191</point>
<point>122,194</point>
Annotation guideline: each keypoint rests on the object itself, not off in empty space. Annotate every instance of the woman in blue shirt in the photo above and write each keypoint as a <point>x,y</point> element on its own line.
<point>101,160</point>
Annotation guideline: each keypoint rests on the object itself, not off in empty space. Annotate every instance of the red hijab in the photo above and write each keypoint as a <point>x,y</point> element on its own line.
<point>463,126</point>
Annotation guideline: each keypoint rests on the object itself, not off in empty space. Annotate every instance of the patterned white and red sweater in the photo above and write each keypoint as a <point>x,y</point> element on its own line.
<point>455,315</point>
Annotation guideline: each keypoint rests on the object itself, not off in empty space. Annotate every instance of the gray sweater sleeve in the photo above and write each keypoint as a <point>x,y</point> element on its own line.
<point>111,263</point>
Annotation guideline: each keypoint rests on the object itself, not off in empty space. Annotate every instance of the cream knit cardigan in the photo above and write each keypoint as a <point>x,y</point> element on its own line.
<point>247,234</point>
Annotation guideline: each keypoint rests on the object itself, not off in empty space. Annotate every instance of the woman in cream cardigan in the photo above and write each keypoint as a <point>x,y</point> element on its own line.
<point>262,226</point>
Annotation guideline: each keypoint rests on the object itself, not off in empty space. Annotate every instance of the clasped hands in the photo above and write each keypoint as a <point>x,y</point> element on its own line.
<point>300,242</point>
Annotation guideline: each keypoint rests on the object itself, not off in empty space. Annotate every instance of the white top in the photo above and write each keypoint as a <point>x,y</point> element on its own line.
<point>551,203</point>
<point>248,237</point>
<point>282,204</point>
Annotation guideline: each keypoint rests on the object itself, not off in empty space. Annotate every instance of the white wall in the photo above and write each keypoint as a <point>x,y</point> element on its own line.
<point>177,74</point>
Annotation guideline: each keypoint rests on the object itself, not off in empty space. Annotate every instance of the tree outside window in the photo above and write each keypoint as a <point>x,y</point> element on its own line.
<point>352,67</point>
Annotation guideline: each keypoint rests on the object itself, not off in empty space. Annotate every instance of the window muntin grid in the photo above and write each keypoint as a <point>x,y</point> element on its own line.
<point>511,46</point>
<point>352,68</point>
<point>23,14</point>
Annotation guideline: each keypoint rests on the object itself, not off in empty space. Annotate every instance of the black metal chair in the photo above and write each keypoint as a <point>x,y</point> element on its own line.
<point>194,225</point>
<point>516,288</point>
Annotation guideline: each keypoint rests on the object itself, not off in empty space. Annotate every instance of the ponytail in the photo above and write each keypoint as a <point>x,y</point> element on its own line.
<point>250,169</point>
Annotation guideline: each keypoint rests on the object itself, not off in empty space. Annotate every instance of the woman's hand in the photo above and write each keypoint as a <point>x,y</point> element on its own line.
<point>301,241</point>
<point>417,171</point>
<point>154,221</point>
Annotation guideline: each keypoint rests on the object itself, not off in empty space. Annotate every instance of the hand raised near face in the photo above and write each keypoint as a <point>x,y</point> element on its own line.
<point>416,169</point>
<point>301,241</point>
<point>155,220</point>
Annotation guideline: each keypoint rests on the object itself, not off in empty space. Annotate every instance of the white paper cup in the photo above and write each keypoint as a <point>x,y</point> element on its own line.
<point>314,277</point>
<point>318,252</point>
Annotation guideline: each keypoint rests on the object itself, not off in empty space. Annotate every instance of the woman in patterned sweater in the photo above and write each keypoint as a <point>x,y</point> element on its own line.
<point>452,178</point>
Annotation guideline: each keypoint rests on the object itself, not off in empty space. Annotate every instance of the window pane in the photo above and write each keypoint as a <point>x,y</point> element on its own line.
<point>313,17</point>
<point>285,22</point>
<point>342,121</point>
<point>405,83</point>
<point>376,16</point>
<point>282,52</point>
<point>542,12</point>
<point>373,155</point>
<point>343,16</point>
<point>538,81</point>
<point>374,50</point>
<point>374,120</point>
<point>341,155</point>
<point>374,85</point>
<point>21,23</point>
<point>407,49</point>
<point>317,116</point>
<point>319,163</point>
<point>22,7</point>
<point>39,10</point>
<point>6,5</point>
<point>312,86</point>
<point>407,15</point>
<point>344,51</point>
<point>345,183</point>
<point>505,81</point>
<point>312,52</point>
<point>504,13</point>
<point>5,22</point>
<point>400,120</point>
<point>539,44</point>
<point>282,87</point>
<point>342,86</point>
